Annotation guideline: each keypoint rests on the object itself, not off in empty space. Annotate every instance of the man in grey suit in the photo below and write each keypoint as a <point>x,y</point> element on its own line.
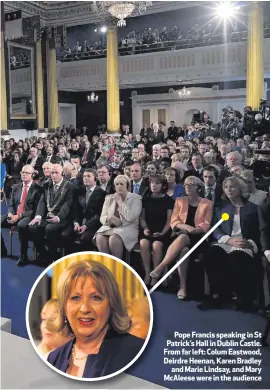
<point>24,199</point>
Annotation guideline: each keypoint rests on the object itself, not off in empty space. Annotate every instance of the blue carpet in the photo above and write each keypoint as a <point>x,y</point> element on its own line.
<point>170,315</point>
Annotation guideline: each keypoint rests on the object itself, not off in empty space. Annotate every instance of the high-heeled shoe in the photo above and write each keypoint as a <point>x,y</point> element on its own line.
<point>156,274</point>
<point>181,294</point>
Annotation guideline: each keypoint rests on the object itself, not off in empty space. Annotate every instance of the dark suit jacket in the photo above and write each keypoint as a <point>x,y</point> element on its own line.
<point>63,202</point>
<point>249,221</point>
<point>90,211</point>
<point>89,158</point>
<point>116,352</point>
<point>54,159</point>
<point>33,196</point>
<point>37,167</point>
<point>218,193</point>
<point>192,172</point>
<point>173,132</point>
<point>14,170</point>
<point>264,218</point>
<point>225,172</point>
<point>144,187</point>
<point>153,138</point>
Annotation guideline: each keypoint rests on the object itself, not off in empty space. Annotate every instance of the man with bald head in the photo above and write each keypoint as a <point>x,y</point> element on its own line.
<point>24,199</point>
<point>53,214</point>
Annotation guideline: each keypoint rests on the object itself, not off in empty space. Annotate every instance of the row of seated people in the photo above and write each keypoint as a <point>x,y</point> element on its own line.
<point>151,41</point>
<point>163,225</point>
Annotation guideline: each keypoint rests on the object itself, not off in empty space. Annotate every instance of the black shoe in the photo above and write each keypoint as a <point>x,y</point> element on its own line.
<point>212,304</point>
<point>23,261</point>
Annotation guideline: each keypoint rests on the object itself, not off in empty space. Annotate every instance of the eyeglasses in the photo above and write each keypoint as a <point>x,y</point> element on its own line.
<point>26,173</point>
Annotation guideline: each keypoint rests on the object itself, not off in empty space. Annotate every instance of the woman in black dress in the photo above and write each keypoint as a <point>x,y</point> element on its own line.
<point>155,224</point>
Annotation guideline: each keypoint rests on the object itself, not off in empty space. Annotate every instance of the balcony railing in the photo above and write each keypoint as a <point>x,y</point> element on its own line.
<point>184,43</point>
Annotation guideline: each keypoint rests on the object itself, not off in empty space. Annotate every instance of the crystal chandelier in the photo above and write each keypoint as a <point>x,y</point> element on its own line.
<point>184,93</point>
<point>120,9</point>
<point>92,97</point>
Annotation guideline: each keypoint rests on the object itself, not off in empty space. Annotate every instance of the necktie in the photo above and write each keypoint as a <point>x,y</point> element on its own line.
<point>88,195</point>
<point>24,196</point>
<point>55,188</point>
<point>84,159</point>
<point>209,195</point>
<point>136,188</point>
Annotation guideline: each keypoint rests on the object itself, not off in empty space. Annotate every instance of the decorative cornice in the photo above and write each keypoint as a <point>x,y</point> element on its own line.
<point>183,100</point>
<point>80,12</point>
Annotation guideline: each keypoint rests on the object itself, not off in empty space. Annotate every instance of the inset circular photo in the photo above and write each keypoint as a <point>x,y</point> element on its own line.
<point>89,316</point>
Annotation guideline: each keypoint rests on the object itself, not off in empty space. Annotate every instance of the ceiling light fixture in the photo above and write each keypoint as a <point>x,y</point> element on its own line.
<point>120,10</point>
<point>184,92</point>
<point>92,97</point>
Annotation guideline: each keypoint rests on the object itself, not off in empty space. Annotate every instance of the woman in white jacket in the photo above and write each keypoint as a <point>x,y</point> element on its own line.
<point>120,219</point>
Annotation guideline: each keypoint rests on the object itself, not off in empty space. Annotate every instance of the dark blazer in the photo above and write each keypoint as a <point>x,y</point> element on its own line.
<point>37,167</point>
<point>152,137</point>
<point>53,159</point>
<point>89,158</point>
<point>14,170</point>
<point>33,197</point>
<point>90,211</point>
<point>224,173</point>
<point>173,132</point>
<point>249,221</point>
<point>264,219</point>
<point>63,202</point>
<point>144,187</point>
<point>116,352</point>
<point>192,172</point>
<point>218,193</point>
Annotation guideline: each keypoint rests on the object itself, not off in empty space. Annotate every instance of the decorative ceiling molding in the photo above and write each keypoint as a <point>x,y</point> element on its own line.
<point>72,13</point>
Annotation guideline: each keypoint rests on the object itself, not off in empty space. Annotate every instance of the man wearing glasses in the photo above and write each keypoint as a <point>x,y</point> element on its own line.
<point>24,199</point>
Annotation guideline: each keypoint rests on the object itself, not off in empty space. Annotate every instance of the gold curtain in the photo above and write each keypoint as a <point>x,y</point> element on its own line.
<point>255,56</point>
<point>3,86</point>
<point>39,78</point>
<point>53,111</point>
<point>145,118</point>
<point>130,287</point>
<point>162,115</point>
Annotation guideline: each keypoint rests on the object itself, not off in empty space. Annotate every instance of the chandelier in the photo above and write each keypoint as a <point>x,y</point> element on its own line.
<point>120,9</point>
<point>184,93</point>
<point>92,97</point>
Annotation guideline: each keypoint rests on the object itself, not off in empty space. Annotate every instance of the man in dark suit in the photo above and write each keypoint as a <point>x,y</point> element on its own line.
<point>264,219</point>
<point>88,156</point>
<point>51,157</point>
<point>172,131</point>
<point>88,205</point>
<point>105,179</point>
<point>138,184</point>
<point>233,159</point>
<point>36,162</point>
<point>24,199</point>
<point>76,161</point>
<point>46,178</point>
<point>53,213</point>
<point>196,168</point>
<point>125,130</point>
<point>212,189</point>
<point>155,135</point>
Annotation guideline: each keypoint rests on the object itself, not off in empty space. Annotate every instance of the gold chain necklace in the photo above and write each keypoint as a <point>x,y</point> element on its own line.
<point>94,352</point>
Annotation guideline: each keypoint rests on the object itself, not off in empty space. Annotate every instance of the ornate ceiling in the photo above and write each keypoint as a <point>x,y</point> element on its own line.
<point>72,13</point>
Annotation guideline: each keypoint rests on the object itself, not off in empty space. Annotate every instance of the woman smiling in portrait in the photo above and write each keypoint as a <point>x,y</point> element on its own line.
<point>92,312</point>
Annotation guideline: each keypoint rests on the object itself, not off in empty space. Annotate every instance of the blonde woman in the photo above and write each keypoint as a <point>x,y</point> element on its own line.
<point>231,262</point>
<point>191,219</point>
<point>92,311</point>
<point>50,339</point>
<point>120,219</point>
